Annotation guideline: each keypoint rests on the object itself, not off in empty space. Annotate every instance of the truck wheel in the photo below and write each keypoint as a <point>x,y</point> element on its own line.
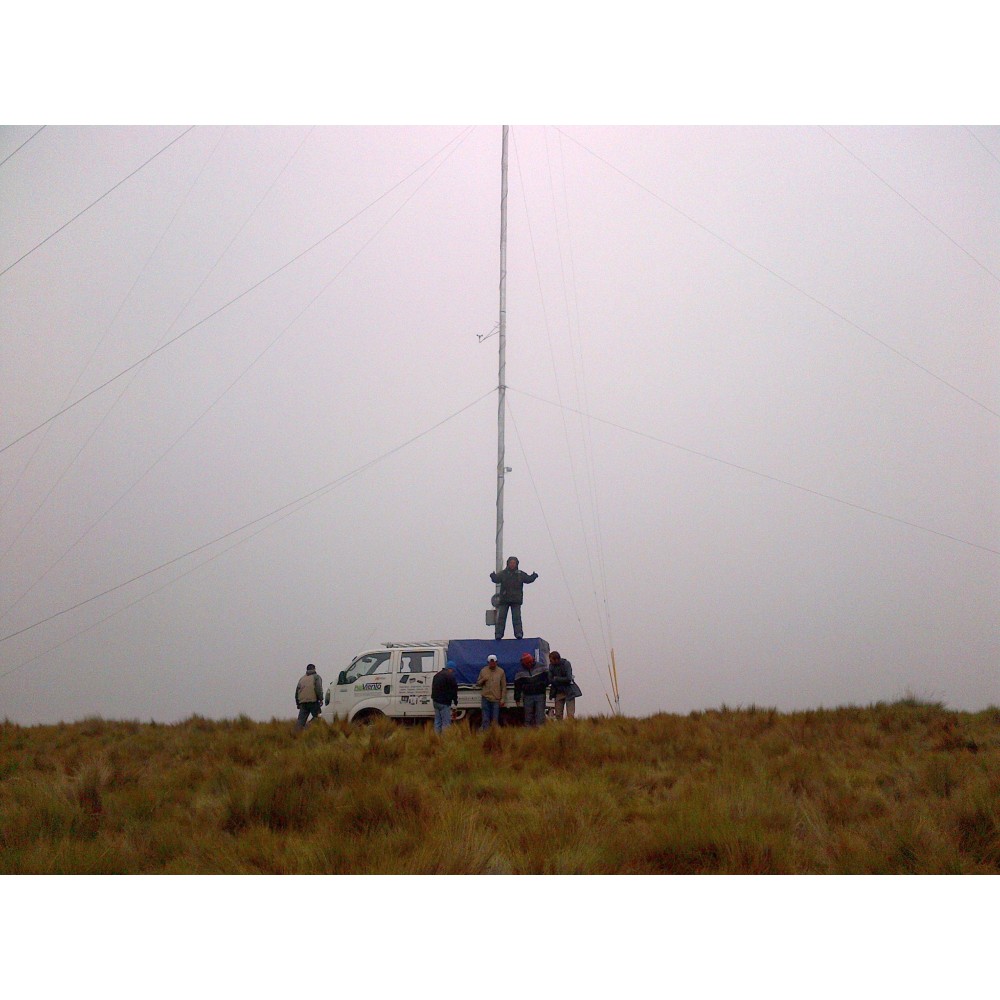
<point>368,718</point>
<point>474,717</point>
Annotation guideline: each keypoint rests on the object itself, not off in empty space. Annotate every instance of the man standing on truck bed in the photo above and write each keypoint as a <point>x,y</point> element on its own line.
<point>493,683</point>
<point>308,696</point>
<point>444,694</point>
<point>530,683</point>
<point>511,595</point>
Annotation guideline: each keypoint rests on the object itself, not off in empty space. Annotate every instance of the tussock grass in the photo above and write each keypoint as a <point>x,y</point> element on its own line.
<point>893,788</point>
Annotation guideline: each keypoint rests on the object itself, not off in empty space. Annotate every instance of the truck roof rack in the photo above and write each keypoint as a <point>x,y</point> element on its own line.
<point>422,644</point>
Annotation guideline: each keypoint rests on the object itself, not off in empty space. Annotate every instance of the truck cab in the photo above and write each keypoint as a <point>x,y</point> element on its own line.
<point>394,680</point>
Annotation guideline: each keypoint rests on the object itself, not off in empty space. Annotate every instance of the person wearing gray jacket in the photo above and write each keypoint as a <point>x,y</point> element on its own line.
<point>308,696</point>
<point>564,689</point>
<point>530,684</point>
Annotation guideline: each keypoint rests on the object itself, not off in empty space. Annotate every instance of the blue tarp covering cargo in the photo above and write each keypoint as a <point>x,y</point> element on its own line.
<point>469,655</point>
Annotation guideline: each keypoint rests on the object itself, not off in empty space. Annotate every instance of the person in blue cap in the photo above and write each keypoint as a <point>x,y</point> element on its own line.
<point>444,694</point>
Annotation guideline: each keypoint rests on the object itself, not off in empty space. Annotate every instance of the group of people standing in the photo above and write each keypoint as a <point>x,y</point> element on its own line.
<point>531,683</point>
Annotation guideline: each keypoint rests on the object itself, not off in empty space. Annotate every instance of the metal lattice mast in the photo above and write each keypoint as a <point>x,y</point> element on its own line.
<point>501,380</point>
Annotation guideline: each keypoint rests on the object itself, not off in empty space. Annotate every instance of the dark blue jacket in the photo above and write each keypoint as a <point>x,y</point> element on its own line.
<point>444,688</point>
<point>512,583</point>
<point>533,681</point>
<point>561,674</point>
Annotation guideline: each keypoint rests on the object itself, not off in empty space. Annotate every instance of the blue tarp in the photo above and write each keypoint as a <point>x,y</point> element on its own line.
<point>469,655</point>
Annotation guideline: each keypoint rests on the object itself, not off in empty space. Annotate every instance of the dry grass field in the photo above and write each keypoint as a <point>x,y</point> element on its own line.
<point>907,787</point>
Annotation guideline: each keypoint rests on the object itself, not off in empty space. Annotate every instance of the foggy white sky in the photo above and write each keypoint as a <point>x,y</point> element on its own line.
<point>784,340</point>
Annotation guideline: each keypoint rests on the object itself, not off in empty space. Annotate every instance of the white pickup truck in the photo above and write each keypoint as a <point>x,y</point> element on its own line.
<point>394,680</point>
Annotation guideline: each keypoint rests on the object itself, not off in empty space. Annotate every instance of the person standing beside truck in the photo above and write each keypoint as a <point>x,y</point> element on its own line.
<point>530,684</point>
<point>492,682</point>
<point>444,694</point>
<point>308,696</point>
<point>510,596</point>
<point>564,689</point>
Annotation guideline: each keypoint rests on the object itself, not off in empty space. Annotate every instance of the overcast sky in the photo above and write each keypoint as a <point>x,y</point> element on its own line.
<point>754,410</point>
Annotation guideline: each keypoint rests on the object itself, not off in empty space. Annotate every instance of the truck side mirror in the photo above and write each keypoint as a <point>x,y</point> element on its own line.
<point>342,679</point>
<point>326,700</point>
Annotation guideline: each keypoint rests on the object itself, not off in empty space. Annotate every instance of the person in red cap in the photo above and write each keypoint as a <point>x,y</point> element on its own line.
<point>530,684</point>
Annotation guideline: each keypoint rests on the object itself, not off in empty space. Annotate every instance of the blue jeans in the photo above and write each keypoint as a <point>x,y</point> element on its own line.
<point>491,713</point>
<point>534,709</point>
<point>442,716</point>
<point>306,709</point>
<point>515,617</point>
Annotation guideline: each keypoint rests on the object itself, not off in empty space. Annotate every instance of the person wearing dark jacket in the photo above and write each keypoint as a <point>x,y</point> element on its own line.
<point>530,683</point>
<point>563,686</point>
<point>308,696</point>
<point>511,595</point>
<point>444,694</point>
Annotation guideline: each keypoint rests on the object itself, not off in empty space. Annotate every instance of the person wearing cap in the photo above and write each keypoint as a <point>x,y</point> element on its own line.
<point>510,596</point>
<point>492,681</point>
<point>308,697</point>
<point>444,694</point>
<point>530,684</point>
